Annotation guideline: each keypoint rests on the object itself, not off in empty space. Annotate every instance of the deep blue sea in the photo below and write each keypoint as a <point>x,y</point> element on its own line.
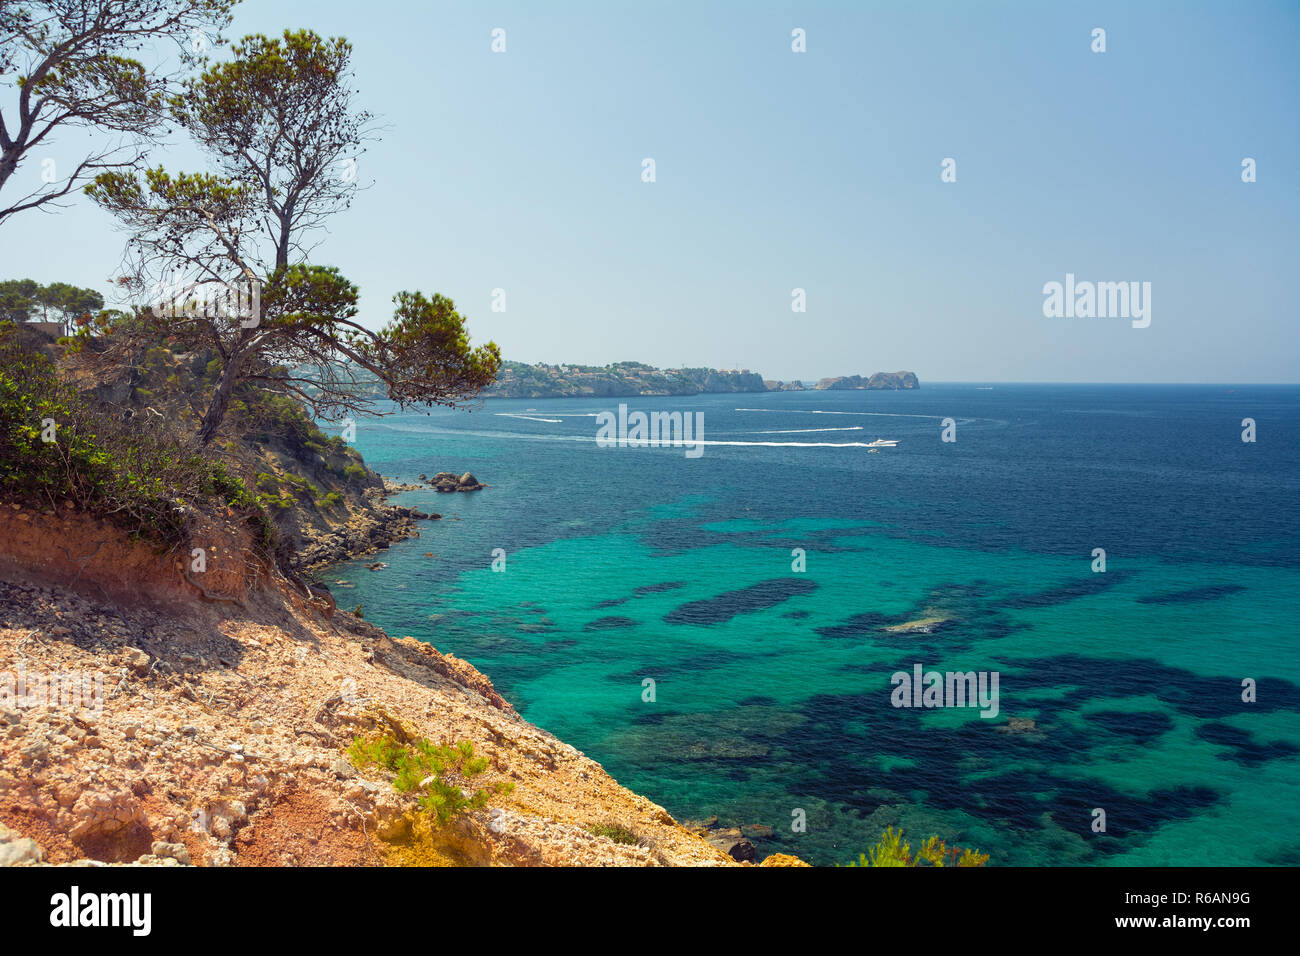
<point>773,698</point>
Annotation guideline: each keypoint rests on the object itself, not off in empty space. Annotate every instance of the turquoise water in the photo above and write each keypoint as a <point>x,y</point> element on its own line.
<point>772,687</point>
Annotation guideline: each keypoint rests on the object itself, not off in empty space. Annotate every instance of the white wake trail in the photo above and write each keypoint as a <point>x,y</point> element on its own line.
<point>819,411</point>
<point>530,418</point>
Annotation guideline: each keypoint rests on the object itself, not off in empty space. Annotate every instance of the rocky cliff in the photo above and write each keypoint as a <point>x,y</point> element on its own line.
<point>879,380</point>
<point>220,729</point>
<point>165,705</point>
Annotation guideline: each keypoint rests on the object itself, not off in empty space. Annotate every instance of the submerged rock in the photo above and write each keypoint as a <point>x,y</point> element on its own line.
<point>923,625</point>
<point>1020,727</point>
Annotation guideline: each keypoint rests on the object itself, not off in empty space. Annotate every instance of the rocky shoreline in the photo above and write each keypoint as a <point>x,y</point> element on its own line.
<point>367,532</point>
<point>364,534</point>
<point>216,731</point>
<point>736,843</point>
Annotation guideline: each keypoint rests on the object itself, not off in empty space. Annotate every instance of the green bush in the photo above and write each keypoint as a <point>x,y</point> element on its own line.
<point>143,477</point>
<point>439,773</point>
<point>892,851</point>
<point>616,832</point>
<point>385,753</point>
<point>265,417</point>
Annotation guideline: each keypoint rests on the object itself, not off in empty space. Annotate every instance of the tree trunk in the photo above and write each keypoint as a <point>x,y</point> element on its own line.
<point>282,246</point>
<point>217,408</point>
<point>8,163</point>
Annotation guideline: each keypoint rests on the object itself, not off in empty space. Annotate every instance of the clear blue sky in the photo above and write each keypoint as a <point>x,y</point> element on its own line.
<point>819,170</point>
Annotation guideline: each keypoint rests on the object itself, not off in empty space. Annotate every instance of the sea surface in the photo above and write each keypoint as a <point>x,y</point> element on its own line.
<point>773,699</point>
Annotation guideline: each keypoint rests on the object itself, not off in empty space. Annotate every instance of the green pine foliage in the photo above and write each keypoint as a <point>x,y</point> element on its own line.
<point>440,774</point>
<point>616,832</point>
<point>892,851</point>
<point>24,300</point>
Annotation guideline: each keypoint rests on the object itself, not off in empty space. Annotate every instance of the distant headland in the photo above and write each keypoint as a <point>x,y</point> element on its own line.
<point>623,379</point>
<point>890,380</point>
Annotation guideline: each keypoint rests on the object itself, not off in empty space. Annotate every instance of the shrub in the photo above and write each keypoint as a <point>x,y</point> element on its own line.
<point>385,753</point>
<point>439,773</point>
<point>892,851</point>
<point>616,832</point>
<point>145,478</point>
<point>355,472</point>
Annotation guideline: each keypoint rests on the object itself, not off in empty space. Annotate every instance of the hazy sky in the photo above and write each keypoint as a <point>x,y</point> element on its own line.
<point>818,170</point>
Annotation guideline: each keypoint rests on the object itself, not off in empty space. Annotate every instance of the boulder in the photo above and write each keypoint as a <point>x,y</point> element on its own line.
<point>783,859</point>
<point>103,812</point>
<point>446,481</point>
<point>171,851</point>
<point>136,659</point>
<point>15,849</point>
<point>733,843</point>
<point>21,850</point>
